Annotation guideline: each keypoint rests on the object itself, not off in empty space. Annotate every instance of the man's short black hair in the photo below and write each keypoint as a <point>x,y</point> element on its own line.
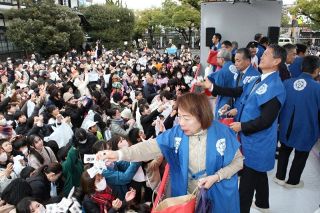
<point>227,43</point>
<point>279,52</point>
<point>245,53</point>
<point>257,36</point>
<point>252,44</point>
<point>289,47</point>
<point>218,36</point>
<point>264,40</point>
<point>310,63</point>
<point>301,48</point>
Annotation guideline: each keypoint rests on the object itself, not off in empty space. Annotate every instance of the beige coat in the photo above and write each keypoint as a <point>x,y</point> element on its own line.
<point>148,150</point>
<point>48,156</point>
<point>153,173</point>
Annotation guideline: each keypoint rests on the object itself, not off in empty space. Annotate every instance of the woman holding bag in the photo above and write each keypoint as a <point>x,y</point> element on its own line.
<point>201,153</point>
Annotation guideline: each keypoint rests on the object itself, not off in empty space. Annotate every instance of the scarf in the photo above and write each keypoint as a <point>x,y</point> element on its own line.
<point>103,199</point>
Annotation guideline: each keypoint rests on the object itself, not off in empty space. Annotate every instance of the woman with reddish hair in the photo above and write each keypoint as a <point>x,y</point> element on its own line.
<point>201,152</point>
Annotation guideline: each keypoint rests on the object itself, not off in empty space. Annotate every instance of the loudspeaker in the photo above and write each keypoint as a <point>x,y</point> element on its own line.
<point>210,31</point>
<point>273,34</point>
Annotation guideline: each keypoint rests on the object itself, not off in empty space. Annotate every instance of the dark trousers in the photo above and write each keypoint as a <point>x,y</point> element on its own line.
<point>253,181</point>
<point>298,164</point>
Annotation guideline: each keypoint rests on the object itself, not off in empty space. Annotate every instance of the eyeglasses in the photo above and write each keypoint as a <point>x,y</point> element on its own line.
<point>185,118</point>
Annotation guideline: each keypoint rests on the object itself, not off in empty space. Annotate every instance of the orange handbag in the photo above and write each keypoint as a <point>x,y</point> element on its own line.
<point>181,204</point>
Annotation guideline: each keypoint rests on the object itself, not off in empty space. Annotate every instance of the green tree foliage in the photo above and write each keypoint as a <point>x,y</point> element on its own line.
<point>310,9</point>
<point>115,2</point>
<point>150,21</point>
<point>110,23</point>
<point>45,28</point>
<point>196,4</point>
<point>285,20</point>
<point>183,18</point>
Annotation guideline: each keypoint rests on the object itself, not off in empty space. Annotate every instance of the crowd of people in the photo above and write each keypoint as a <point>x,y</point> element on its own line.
<point>93,132</point>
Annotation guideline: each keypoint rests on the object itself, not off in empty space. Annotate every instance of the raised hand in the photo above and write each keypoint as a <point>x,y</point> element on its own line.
<point>130,195</point>
<point>107,155</point>
<point>8,170</point>
<point>236,126</point>
<point>116,204</point>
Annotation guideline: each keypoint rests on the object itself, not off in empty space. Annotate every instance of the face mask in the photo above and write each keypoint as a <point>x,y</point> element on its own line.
<point>83,142</point>
<point>42,209</point>
<point>3,157</point>
<point>102,185</point>
<point>179,76</point>
<point>3,122</point>
<point>138,68</point>
<point>17,167</point>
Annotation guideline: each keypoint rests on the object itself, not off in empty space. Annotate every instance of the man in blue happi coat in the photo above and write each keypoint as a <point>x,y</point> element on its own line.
<point>261,101</point>
<point>295,67</point>
<point>246,73</point>
<point>216,42</point>
<point>299,122</point>
<point>224,77</point>
<point>260,48</point>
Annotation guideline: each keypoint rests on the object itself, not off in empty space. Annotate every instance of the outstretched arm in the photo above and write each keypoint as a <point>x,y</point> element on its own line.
<point>144,151</point>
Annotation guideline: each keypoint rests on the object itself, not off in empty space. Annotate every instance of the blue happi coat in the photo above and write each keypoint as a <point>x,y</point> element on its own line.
<point>223,78</point>
<point>299,124</point>
<point>174,145</point>
<point>295,67</point>
<point>259,148</point>
<point>251,75</point>
<point>260,51</point>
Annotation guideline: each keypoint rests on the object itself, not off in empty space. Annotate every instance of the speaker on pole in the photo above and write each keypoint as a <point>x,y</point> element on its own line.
<point>210,31</point>
<point>273,34</point>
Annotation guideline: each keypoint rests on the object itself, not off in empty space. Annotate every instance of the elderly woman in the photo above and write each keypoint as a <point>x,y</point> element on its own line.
<point>201,153</point>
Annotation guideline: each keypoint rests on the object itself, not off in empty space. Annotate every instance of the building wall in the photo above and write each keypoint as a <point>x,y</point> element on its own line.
<point>237,22</point>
